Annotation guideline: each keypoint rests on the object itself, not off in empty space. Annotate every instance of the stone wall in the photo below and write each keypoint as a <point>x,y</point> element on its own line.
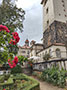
<point>54,34</point>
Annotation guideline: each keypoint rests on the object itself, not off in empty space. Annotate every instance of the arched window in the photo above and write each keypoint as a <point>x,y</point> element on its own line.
<point>50,53</point>
<point>58,53</point>
<point>42,54</point>
<point>45,52</point>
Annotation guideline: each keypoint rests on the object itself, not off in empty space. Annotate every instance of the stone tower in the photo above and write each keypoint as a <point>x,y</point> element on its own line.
<point>54,21</point>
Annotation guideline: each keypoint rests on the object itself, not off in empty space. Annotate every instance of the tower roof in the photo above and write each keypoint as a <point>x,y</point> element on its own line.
<point>27,41</point>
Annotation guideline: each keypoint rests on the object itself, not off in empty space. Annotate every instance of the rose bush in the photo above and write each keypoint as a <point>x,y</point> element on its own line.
<point>15,39</point>
<point>13,63</point>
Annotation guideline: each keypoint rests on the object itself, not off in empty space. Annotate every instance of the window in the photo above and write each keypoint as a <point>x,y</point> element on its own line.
<point>47,22</point>
<point>45,52</point>
<point>27,52</point>
<point>46,10</point>
<point>45,1</point>
<point>50,53</point>
<point>64,10</point>
<point>58,53</point>
<point>42,54</point>
<point>59,14</point>
<point>23,52</point>
<point>62,1</point>
<point>65,15</point>
<point>63,5</point>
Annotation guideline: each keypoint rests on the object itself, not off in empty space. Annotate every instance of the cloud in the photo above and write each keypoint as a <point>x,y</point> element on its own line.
<point>25,4</point>
<point>33,21</point>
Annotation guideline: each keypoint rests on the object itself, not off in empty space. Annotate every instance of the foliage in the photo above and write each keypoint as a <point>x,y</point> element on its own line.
<point>13,49</point>
<point>20,82</point>
<point>37,74</point>
<point>28,83</point>
<point>55,76</point>
<point>11,16</point>
<point>34,73</point>
<point>46,57</point>
<point>5,40</point>
<point>22,59</point>
<point>30,63</point>
<point>16,69</point>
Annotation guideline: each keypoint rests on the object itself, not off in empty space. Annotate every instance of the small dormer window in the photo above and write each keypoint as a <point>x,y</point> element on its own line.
<point>46,10</point>
<point>45,2</point>
<point>47,22</point>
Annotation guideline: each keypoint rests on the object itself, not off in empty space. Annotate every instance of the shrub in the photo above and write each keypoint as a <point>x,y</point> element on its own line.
<point>1,79</point>
<point>22,82</point>
<point>54,76</point>
<point>22,59</point>
<point>6,76</point>
<point>17,69</point>
<point>46,57</point>
<point>34,74</point>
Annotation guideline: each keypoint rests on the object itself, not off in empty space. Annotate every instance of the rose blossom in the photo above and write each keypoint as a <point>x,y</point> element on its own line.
<point>2,27</point>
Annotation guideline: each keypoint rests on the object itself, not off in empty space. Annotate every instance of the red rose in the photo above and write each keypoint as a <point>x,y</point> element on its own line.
<point>16,59</point>
<point>12,42</point>
<point>13,63</point>
<point>17,39</point>
<point>15,34</point>
<point>2,27</point>
<point>4,89</point>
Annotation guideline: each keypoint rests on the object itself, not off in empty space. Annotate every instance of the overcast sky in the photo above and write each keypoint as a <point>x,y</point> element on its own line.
<point>33,20</point>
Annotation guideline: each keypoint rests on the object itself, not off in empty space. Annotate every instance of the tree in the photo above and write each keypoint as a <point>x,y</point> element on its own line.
<point>4,39</point>
<point>22,59</point>
<point>11,16</point>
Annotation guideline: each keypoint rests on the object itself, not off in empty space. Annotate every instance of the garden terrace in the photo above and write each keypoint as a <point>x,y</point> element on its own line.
<point>19,82</point>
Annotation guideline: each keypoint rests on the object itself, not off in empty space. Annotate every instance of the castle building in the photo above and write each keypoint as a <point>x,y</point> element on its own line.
<point>35,47</point>
<point>25,49</point>
<point>54,31</point>
<point>54,21</point>
<point>54,28</point>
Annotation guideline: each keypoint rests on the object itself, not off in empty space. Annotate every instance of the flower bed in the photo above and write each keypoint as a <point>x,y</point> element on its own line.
<point>20,82</point>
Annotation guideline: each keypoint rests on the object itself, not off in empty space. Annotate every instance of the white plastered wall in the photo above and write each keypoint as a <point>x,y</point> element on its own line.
<point>53,52</point>
<point>50,15</point>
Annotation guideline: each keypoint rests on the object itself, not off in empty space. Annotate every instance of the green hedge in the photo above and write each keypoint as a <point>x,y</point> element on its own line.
<point>34,86</point>
<point>7,84</point>
<point>29,84</point>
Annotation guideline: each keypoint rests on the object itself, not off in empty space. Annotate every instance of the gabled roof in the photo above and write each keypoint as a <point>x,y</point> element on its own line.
<point>24,47</point>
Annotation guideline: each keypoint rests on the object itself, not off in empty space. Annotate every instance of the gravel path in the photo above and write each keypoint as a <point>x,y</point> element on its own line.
<point>46,86</point>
